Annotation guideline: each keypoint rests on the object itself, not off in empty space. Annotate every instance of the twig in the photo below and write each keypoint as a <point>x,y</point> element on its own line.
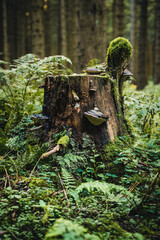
<point>44,155</point>
<point>34,168</point>
<point>4,156</point>
<point>148,192</point>
<point>135,185</point>
<point>151,187</point>
<point>65,192</point>
<point>36,128</point>
<point>55,149</point>
<point>7,176</point>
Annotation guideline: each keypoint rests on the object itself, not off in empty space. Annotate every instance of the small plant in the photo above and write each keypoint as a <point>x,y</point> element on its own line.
<point>65,229</point>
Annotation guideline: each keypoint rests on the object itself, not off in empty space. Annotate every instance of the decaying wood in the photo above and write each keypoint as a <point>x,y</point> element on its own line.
<point>55,149</point>
<point>67,98</point>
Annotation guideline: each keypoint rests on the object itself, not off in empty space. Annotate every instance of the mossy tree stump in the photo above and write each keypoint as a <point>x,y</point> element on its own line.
<point>67,99</point>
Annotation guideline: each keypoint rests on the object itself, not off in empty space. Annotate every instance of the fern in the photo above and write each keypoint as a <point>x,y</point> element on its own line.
<point>65,229</point>
<point>68,179</point>
<point>71,161</point>
<point>117,197</point>
<point>112,191</point>
<point>19,85</point>
<point>22,160</point>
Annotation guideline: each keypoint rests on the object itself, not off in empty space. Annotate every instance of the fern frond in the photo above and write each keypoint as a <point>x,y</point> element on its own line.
<point>112,191</point>
<point>71,161</point>
<point>68,179</point>
<point>66,229</point>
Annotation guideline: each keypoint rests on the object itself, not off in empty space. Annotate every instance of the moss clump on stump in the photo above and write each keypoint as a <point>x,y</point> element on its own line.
<point>118,54</point>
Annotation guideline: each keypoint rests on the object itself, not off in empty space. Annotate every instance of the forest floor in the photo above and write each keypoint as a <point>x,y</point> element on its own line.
<point>81,191</point>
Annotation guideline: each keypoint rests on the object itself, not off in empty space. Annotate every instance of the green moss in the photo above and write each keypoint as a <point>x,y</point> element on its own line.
<point>118,53</point>
<point>63,141</point>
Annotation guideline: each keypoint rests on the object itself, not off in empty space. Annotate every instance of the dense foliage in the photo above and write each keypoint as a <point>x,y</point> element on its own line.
<point>79,192</point>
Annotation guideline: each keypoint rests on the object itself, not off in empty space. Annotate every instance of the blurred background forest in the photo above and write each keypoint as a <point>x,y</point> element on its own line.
<point>109,192</point>
<point>82,30</point>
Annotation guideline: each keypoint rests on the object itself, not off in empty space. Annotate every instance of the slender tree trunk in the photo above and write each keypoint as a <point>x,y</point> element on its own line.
<point>47,28</point>
<point>63,40</point>
<point>91,22</point>
<point>11,20</point>
<point>1,27</point>
<point>38,39</point>
<point>28,31</point>
<point>150,60</point>
<point>109,20</point>
<point>20,28</point>
<point>157,45</point>
<point>5,33</point>
<point>72,32</point>
<point>53,28</point>
<point>118,18</point>
<point>142,42</point>
<point>133,38</point>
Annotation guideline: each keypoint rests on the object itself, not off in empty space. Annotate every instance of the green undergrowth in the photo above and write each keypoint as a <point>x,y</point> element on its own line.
<point>81,192</point>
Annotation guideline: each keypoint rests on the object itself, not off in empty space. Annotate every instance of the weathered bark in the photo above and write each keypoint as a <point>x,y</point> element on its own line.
<point>67,99</point>
<point>157,45</point>
<point>142,42</point>
<point>38,39</point>
<point>118,18</point>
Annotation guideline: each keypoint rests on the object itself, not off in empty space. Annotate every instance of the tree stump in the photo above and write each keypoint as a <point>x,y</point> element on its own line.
<point>73,100</point>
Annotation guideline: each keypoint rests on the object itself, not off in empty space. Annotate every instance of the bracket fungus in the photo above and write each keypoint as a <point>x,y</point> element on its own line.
<point>39,118</point>
<point>95,116</point>
<point>126,74</point>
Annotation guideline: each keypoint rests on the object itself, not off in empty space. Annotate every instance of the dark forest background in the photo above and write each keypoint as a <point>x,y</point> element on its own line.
<point>82,30</point>
<point>55,181</point>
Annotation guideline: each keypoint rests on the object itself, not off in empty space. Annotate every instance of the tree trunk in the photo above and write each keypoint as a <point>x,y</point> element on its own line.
<point>47,33</point>
<point>118,18</point>
<point>5,33</point>
<point>1,27</point>
<point>157,45</point>
<point>72,32</point>
<point>20,28</point>
<point>109,20</point>
<point>133,38</point>
<point>91,21</point>
<point>53,26</point>
<point>28,30</point>
<point>38,39</point>
<point>63,40</point>
<point>72,101</point>
<point>142,71</point>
